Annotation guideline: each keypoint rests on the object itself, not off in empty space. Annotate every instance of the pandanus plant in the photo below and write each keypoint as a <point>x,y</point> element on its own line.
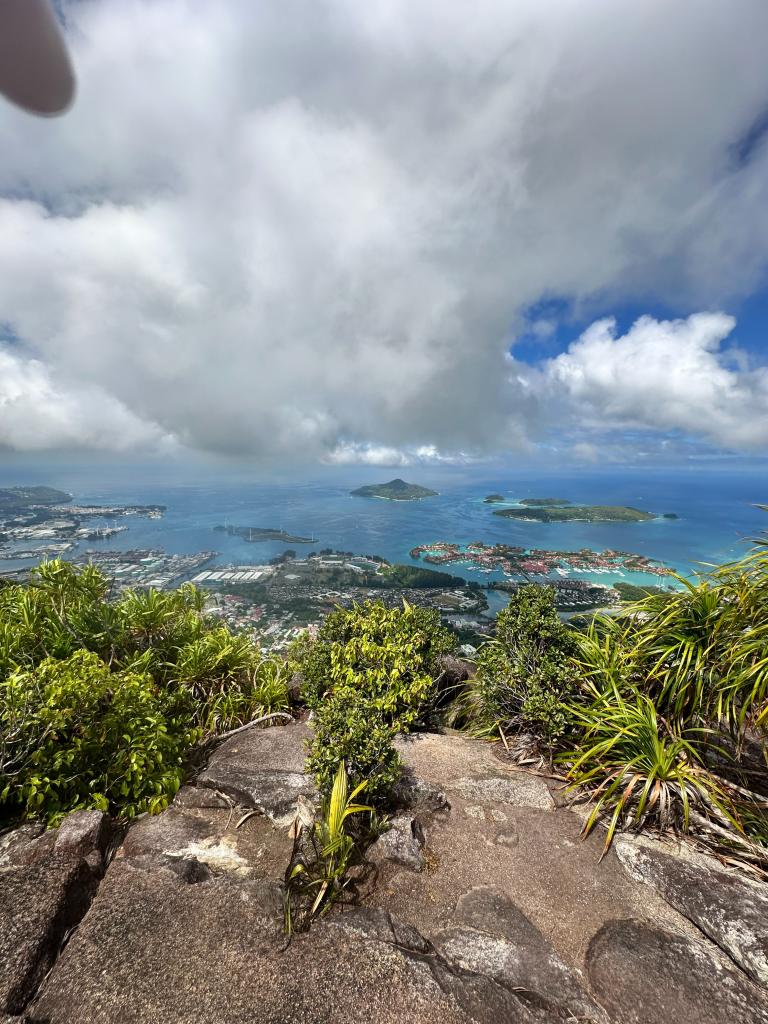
<point>324,879</point>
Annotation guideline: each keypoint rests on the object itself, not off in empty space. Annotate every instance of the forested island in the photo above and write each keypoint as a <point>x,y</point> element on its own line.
<point>23,497</point>
<point>395,490</point>
<point>581,513</point>
<point>492,499</point>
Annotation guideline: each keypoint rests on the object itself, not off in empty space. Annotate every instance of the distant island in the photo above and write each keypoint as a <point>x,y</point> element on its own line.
<point>22,497</point>
<point>544,502</point>
<point>492,499</point>
<point>395,490</point>
<point>259,534</point>
<point>581,513</point>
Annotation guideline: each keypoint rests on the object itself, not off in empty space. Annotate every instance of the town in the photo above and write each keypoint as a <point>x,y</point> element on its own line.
<point>31,528</point>
<point>279,601</point>
<point>537,565</point>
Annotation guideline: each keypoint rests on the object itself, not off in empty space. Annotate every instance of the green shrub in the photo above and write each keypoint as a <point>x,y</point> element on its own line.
<point>524,673</point>
<point>154,658</point>
<point>639,768</point>
<point>259,692</point>
<point>673,693</point>
<point>387,655</point>
<point>350,729</point>
<point>108,740</point>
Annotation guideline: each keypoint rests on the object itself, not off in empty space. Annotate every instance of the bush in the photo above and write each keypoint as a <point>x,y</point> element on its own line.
<point>258,692</point>
<point>524,673</point>
<point>673,708</point>
<point>153,657</point>
<point>100,739</point>
<point>350,729</point>
<point>390,656</point>
<point>641,769</point>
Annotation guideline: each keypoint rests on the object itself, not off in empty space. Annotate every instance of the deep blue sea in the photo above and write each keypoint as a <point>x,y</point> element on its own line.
<point>716,509</point>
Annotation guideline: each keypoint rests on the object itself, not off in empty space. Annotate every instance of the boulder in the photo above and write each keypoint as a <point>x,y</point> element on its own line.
<point>198,798</point>
<point>47,880</point>
<point>730,910</point>
<point>520,790</point>
<point>402,843</point>
<point>453,672</point>
<point>273,793</point>
<point>172,833</point>
<point>207,837</point>
<point>39,903</point>
<point>492,936</point>
<point>28,844</point>
<point>469,769</point>
<point>83,834</point>
<point>263,769</point>
<point>416,794</point>
<point>643,975</point>
<point>274,748</point>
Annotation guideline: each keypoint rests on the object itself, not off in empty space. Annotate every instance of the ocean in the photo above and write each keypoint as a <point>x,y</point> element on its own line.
<point>716,511</point>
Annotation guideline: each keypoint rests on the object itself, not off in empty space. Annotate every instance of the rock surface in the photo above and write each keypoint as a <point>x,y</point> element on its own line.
<point>144,954</point>
<point>491,936</point>
<point>480,904</point>
<point>730,910</point>
<point>643,975</point>
<point>402,843</point>
<point>47,880</point>
<point>263,769</point>
<point>469,768</point>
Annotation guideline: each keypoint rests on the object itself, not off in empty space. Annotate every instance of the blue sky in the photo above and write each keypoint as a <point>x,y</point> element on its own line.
<point>750,333</point>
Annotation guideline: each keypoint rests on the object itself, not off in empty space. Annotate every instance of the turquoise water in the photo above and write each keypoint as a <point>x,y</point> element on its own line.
<point>716,512</point>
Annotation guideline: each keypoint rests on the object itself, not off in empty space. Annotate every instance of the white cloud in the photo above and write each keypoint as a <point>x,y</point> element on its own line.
<point>664,375</point>
<point>349,453</point>
<point>273,228</point>
<point>37,412</point>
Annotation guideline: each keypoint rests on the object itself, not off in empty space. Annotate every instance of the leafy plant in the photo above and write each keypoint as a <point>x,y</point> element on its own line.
<point>350,729</point>
<point>701,654</point>
<point>255,693</point>
<point>316,881</point>
<point>107,740</point>
<point>388,655</point>
<point>638,768</point>
<point>524,673</point>
<point>72,662</point>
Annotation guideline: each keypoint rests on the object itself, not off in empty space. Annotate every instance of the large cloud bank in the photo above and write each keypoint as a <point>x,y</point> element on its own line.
<point>309,229</point>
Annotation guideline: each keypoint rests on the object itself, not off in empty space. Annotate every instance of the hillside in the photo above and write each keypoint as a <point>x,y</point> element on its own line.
<point>22,497</point>
<point>394,490</point>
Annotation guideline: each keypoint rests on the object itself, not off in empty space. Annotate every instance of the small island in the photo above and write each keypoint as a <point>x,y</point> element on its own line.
<point>395,490</point>
<point>576,513</point>
<point>493,499</point>
<point>259,534</point>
